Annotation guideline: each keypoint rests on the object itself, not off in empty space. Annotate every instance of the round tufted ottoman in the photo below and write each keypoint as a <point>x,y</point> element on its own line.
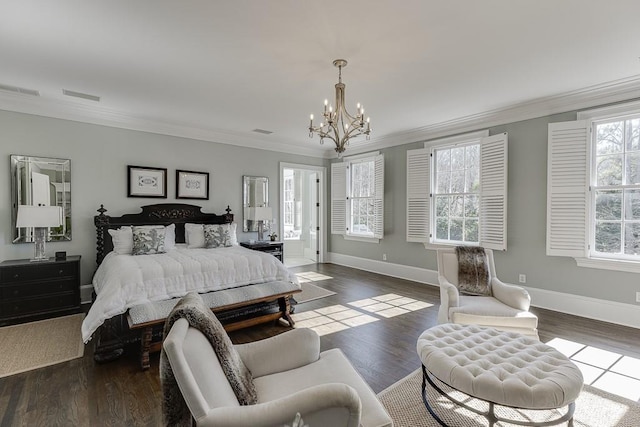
<point>503,368</point>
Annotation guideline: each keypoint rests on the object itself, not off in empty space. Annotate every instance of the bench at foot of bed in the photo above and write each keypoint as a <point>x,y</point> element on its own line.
<point>145,317</point>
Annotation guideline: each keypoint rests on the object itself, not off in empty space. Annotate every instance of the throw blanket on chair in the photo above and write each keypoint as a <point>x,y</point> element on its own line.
<point>473,271</point>
<point>192,308</point>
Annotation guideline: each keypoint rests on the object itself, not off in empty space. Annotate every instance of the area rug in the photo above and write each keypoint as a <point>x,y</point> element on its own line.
<point>594,408</point>
<point>311,292</point>
<point>37,344</point>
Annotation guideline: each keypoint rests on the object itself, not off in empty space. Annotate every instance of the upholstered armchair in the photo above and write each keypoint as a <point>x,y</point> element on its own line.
<point>290,374</point>
<point>507,308</point>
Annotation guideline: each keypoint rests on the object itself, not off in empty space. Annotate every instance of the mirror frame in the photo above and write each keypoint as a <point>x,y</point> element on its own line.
<point>249,184</point>
<point>63,166</point>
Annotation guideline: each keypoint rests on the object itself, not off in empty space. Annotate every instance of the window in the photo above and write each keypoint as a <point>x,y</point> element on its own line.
<point>593,195</point>
<point>357,192</point>
<point>288,202</point>
<point>457,192</point>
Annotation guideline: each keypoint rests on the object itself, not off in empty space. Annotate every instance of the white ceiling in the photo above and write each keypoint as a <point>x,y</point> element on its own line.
<point>216,70</point>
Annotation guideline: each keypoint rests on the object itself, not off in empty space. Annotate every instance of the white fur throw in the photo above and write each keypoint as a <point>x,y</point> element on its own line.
<point>192,308</point>
<point>473,271</point>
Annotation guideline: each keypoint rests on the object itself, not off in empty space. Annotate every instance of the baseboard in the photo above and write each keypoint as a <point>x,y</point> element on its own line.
<point>591,308</point>
<point>85,293</point>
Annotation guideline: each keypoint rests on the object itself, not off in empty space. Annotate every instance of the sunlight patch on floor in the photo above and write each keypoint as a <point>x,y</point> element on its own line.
<point>311,276</point>
<point>334,318</point>
<point>603,369</point>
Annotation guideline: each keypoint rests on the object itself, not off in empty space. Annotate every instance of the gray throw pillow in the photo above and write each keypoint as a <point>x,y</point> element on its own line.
<point>148,240</point>
<point>217,236</point>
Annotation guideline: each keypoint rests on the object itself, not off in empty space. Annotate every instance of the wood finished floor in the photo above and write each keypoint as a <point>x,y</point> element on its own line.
<point>82,393</point>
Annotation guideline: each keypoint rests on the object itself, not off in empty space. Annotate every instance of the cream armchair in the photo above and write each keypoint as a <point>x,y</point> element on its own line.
<point>506,309</point>
<point>290,375</point>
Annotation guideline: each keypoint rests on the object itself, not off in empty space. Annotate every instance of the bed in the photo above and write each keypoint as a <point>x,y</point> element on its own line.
<point>245,286</point>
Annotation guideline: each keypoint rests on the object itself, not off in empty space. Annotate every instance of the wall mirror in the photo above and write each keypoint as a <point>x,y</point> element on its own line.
<point>41,181</point>
<point>255,194</point>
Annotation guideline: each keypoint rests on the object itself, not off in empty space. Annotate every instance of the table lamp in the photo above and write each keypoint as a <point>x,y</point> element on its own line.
<point>40,218</point>
<point>259,214</point>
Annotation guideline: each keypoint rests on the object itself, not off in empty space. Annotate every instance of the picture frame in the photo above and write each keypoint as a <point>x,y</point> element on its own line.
<point>143,181</point>
<point>192,185</point>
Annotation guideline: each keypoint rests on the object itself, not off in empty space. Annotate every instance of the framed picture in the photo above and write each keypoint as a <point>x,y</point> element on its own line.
<point>146,182</point>
<point>192,185</point>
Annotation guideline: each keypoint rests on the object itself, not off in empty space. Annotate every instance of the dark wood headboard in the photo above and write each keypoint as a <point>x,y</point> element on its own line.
<point>159,214</point>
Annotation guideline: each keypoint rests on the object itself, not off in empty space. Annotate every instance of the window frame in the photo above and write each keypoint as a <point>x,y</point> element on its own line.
<point>594,117</point>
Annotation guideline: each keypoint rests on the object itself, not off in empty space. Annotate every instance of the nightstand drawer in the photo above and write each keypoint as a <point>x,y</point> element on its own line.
<point>20,274</point>
<point>51,287</point>
<point>38,305</point>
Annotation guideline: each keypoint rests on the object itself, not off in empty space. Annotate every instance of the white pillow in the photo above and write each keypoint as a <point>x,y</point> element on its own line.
<point>194,235</point>
<point>122,238</point>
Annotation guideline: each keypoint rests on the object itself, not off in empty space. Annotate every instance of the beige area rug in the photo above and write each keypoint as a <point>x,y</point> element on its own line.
<point>594,408</point>
<point>311,292</point>
<point>37,344</point>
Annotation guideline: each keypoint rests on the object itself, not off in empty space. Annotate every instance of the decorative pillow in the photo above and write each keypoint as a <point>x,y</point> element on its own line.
<point>122,239</point>
<point>148,240</point>
<point>473,271</point>
<point>217,236</point>
<point>170,237</point>
<point>194,234</point>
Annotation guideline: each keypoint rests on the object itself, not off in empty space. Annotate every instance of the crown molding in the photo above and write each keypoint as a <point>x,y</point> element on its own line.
<point>589,97</point>
<point>99,115</point>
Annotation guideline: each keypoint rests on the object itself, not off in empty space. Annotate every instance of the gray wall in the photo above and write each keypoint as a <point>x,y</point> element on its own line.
<point>99,158</point>
<point>526,223</point>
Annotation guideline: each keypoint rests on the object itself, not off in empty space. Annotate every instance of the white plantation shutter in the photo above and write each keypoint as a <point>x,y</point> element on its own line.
<point>418,195</point>
<point>378,231</point>
<point>339,198</point>
<point>493,194</point>
<point>567,189</point>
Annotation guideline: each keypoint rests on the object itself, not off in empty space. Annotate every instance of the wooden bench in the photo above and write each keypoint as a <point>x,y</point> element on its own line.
<point>145,317</point>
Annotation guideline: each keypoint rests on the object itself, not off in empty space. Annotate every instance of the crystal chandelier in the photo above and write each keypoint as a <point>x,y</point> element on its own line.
<point>339,120</point>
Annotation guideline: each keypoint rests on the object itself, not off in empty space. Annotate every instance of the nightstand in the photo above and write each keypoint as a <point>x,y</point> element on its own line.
<point>33,290</point>
<point>274,248</point>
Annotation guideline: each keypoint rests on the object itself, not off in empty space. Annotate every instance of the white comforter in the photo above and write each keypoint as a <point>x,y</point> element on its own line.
<point>123,281</point>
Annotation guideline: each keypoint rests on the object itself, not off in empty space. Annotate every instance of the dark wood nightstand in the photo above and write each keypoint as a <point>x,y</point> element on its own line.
<point>274,248</point>
<point>33,290</point>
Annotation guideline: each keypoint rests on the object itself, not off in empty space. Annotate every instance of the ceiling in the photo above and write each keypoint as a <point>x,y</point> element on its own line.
<point>217,70</point>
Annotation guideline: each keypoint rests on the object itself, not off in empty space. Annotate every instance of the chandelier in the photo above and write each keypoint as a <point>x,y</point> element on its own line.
<point>339,121</point>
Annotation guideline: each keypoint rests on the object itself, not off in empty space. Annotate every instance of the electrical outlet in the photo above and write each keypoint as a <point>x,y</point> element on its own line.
<point>637,296</point>
<point>522,278</point>
<point>384,257</point>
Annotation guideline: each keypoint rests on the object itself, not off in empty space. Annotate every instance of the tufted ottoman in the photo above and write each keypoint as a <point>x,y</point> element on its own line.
<point>502,368</point>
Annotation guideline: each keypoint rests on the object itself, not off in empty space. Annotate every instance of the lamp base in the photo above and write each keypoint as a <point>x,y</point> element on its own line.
<point>260,231</point>
<point>39,243</point>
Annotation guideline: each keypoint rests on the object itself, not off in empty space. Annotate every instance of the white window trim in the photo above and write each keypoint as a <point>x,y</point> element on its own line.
<point>591,116</point>
<point>346,235</point>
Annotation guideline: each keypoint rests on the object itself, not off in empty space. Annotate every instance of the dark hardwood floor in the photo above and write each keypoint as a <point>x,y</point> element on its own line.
<point>82,393</point>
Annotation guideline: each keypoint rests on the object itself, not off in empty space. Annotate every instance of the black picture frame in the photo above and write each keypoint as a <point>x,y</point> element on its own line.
<point>144,181</point>
<point>192,185</point>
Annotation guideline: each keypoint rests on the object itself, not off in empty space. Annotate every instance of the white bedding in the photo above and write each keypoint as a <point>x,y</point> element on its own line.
<point>123,281</point>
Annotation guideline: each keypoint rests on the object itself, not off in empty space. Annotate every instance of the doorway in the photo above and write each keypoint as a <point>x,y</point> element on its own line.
<point>302,214</point>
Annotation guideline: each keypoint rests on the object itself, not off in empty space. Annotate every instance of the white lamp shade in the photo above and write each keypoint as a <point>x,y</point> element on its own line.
<point>258,214</point>
<point>39,216</point>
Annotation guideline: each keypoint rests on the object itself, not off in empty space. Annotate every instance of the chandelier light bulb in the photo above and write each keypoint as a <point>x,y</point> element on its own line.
<point>311,116</point>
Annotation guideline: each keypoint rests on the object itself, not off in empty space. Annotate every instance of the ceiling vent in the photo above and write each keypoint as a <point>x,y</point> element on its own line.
<point>19,90</point>
<point>262,131</point>
<point>81,95</point>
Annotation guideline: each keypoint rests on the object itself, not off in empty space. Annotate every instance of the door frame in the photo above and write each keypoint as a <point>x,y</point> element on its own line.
<point>322,213</point>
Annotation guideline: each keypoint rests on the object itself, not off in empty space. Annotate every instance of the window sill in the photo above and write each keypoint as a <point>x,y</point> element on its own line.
<point>609,264</point>
<point>436,246</point>
<point>361,238</point>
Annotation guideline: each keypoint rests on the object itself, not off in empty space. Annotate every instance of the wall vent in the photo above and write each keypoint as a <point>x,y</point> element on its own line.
<point>17,89</point>
<point>262,131</point>
<point>81,95</point>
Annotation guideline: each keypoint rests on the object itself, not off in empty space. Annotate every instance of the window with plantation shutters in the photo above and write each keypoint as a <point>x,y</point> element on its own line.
<point>457,192</point>
<point>357,197</point>
<point>593,188</point>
